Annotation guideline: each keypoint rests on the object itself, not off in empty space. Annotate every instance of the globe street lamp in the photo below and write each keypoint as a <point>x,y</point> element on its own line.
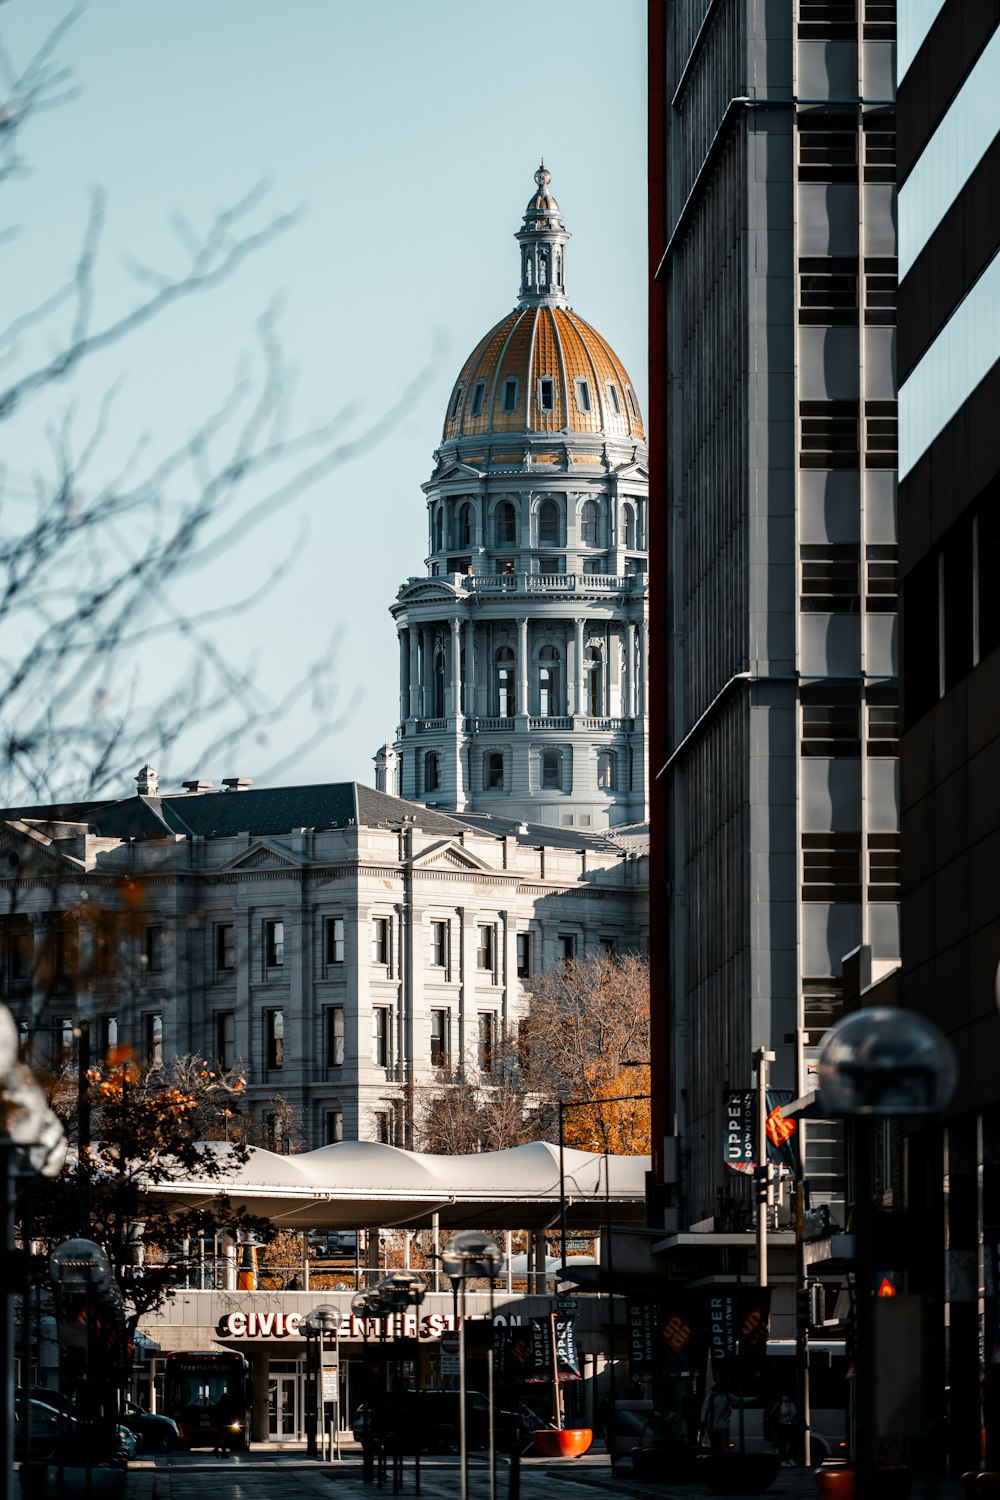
<point>879,1063</point>
<point>366,1305</point>
<point>396,1292</point>
<point>468,1254</point>
<point>82,1275</point>
<point>31,1140</point>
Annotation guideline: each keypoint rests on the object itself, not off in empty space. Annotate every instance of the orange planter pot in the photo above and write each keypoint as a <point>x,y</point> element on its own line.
<point>893,1482</point>
<point>570,1442</point>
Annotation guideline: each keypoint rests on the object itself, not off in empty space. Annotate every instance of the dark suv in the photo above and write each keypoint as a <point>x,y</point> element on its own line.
<point>434,1415</point>
<point>156,1433</point>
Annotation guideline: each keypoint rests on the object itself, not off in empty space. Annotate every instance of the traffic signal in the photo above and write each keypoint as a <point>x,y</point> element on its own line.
<point>817,1223</point>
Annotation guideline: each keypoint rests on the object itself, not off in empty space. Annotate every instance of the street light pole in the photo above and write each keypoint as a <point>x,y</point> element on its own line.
<point>761,1058</point>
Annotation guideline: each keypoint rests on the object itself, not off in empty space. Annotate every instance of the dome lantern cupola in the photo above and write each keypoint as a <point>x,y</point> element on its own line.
<point>543,248</point>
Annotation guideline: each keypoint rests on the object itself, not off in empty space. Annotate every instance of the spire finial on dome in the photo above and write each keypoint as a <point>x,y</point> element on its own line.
<point>543,242</point>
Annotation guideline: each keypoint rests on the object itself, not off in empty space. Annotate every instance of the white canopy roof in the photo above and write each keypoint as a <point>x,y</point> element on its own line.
<point>363,1183</point>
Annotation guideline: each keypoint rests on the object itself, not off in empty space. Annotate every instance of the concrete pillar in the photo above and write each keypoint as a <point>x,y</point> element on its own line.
<point>643,667</point>
<point>577,699</point>
<point>628,704</point>
<point>258,1394</point>
<point>404,674</point>
<point>522,666</point>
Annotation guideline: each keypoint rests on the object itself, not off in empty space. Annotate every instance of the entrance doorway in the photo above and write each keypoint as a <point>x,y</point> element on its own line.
<point>283,1406</point>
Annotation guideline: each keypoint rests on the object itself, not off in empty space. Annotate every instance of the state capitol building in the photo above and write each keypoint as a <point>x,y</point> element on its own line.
<point>346,947</point>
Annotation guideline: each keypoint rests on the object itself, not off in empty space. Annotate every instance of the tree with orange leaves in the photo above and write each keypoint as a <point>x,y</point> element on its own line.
<point>150,1125</point>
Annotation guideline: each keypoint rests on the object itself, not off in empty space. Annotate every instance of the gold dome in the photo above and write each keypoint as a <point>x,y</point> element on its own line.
<point>500,388</point>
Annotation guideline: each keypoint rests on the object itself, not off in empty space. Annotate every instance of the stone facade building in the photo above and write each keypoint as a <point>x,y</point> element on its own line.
<point>344,949</point>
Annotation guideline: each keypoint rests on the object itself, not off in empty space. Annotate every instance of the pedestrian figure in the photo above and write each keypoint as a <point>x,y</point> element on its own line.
<point>784,1419</point>
<point>715,1415</point>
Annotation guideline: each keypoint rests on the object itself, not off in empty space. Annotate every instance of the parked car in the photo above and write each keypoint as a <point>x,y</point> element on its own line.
<point>156,1433</point>
<point>42,1432</point>
<point>434,1416</point>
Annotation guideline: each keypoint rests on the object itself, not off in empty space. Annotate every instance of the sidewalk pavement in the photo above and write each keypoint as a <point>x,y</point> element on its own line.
<point>281,1471</point>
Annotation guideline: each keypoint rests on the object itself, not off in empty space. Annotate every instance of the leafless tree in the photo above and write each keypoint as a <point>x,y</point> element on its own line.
<point>94,549</point>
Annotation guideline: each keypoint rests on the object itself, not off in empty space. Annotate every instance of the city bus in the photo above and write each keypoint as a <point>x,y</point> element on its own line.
<point>208,1396</point>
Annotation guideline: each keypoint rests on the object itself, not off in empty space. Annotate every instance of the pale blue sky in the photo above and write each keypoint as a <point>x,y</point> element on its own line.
<point>410,132</point>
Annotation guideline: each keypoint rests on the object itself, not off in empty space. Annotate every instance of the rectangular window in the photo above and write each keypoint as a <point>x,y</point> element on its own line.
<point>831,867</point>
<point>524,955</point>
<point>880,21</point>
<point>828,290</point>
<point>333,930</point>
<point>582,388</point>
<point>883,722</point>
<point>20,962</point>
<point>274,944</point>
<point>827,21</point>
<point>509,401</point>
<point>478,393</point>
<point>225,947</point>
<point>486,951</point>
<point>828,435</point>
<point>494,771</point>
<point>152,950</point>
<point>382,1125</point>
<point>487,1041</point>
<point>831,723</point>
<point>380,1036</point>
<point>547,393</point>
<point>567,947</point>
<point>593,565</point>
<point>439,945</point>
<point>608,946</point>
<point>822,1007</point>
<point>880,290</point>
<point>883,867</point>
<point>880,148</point>
<point>830,582</point>
<point>335,1036</point>
<point>107,1037</point>
<point>380,941</point>
<point>613,400</point>
<point>828,151</point>
<point>440,1039</point>
<point>63,1037</point>
<point>225,1040</point>
<point>881,435</point>
<point>274,1039</point>
<point>334,1126</point>
<point>881,579</point>
<point>153,1039</point>
<point>551,769</point>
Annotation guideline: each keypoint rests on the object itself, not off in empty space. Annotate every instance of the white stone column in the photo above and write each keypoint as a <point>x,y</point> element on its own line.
<point>628,707</point>
<point>470,670</point>
<point>453,695</point>
<point>413,710</point>
<point>522,666</point>
<point>578,669</point>
<point>404,675</point>
<point>643,665</point>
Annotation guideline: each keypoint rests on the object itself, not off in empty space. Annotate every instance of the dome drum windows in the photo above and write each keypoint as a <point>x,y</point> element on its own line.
<point>583,398</point>
<point>590,524</point>
<point>508,395</point>
<point>506,524</point>
<point>546,394</point>
<point>628,526</point>
<point>456,401</point>
<point>465,526</point>
<point>614,399</point>
<point>593,669</point>
<point>478,397</point>
<point>550,703</point>
<point>505,686</point>
<point>549,524</point>
<point>550,770</point>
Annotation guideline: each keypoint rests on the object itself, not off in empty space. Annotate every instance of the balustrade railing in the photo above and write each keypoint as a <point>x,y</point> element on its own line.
<point>554,583</point>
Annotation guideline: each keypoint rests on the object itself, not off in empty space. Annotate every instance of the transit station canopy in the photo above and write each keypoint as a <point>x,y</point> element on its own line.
<point>356,1184</point>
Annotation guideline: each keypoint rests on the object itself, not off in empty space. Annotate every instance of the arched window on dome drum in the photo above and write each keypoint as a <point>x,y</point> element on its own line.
<point>593,666</point>
<point>437,707</point>
<point>548,523</point>
<point>543,268</point>
<point>505,705</point>
<point>465,525</point>
<point>549,699</point>
<point>432,772</point>
<point>527,271</point>
<point>590,524</point>
<point>628,525</point>
<point>607,774</point>
<point>506,524</point>
<point>557,277</point>
<point>438,544</point>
